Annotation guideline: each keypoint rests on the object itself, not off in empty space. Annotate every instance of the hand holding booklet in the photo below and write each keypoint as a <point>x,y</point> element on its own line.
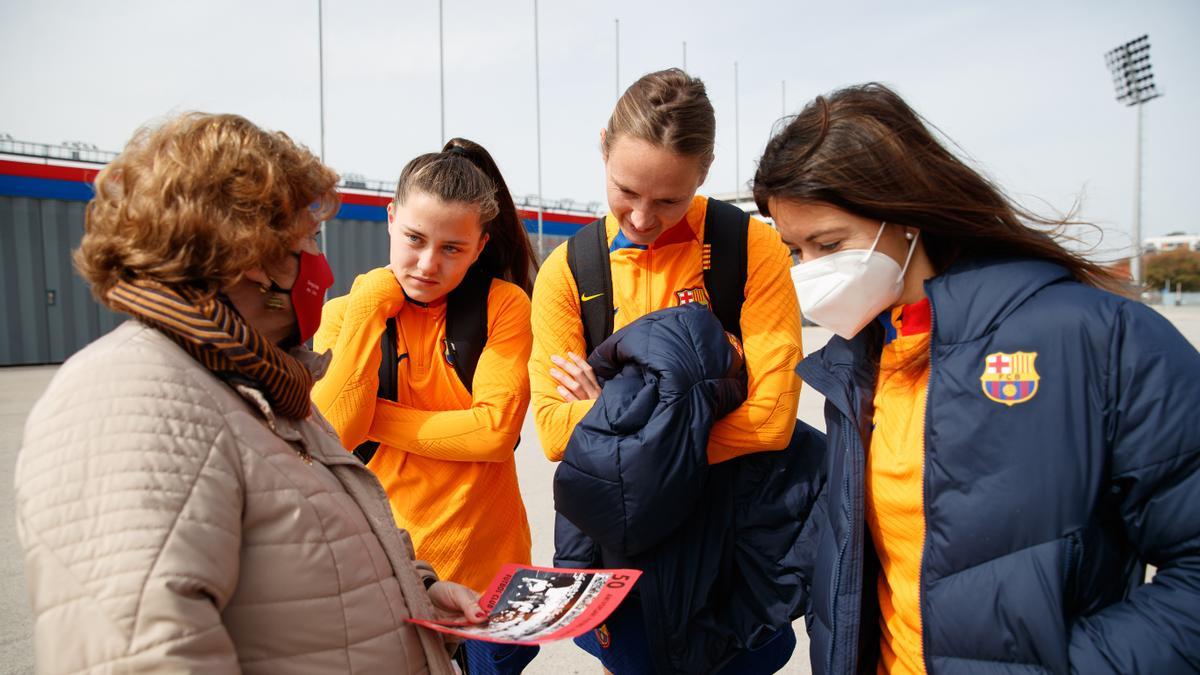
<point>532,605</point>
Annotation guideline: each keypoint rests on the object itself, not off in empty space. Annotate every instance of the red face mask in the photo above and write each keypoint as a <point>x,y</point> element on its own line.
<point>308,292</point>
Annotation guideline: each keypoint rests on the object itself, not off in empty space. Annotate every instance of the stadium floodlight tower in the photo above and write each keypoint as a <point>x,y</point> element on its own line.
<point>1134,83</point>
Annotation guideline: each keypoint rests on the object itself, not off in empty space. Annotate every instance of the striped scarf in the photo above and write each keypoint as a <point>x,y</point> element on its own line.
<point>213,334</point>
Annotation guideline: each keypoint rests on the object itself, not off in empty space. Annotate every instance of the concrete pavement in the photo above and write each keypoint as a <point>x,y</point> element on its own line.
<point>19,389</point>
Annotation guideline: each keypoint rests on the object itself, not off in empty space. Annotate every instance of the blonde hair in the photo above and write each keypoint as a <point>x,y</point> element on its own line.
<point>199,200</point>
<point>670,109</point>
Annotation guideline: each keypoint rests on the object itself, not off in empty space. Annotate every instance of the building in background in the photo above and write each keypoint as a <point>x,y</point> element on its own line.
<point>1175,241</point>
<point>49,313</point>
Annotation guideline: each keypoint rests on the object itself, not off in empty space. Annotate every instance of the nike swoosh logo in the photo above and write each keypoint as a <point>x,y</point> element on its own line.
<point>585,298</point>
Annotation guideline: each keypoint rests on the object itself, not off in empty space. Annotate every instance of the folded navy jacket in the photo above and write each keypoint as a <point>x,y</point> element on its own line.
<point>724,549</point>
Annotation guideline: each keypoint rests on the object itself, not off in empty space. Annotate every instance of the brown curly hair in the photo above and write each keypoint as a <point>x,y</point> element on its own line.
<point>199,200</point>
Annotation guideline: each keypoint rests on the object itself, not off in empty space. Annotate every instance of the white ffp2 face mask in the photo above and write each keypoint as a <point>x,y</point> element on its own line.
<point>845,291</point>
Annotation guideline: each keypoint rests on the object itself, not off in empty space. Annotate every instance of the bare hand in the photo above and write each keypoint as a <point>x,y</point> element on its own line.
<point>457,601</point>
<point>576,380</point>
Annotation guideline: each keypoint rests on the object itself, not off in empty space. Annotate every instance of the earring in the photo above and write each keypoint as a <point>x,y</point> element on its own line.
<point>272,300</point>
<point>908,235</point>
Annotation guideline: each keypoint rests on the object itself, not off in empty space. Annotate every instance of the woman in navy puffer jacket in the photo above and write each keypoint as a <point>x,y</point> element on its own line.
<point>1009,443</point>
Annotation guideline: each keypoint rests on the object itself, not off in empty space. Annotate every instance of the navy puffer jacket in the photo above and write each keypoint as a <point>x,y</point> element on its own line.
<point>1040,515</point>
<point>722,548</point>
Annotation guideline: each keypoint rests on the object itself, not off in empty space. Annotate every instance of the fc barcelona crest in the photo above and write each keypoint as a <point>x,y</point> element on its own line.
<point>692,295</point>
<point>1010,378</point>
<point>603,636</point>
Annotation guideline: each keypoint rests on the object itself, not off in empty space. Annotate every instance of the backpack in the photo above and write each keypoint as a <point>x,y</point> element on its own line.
<point>466,335</point>
<point>725,230</point>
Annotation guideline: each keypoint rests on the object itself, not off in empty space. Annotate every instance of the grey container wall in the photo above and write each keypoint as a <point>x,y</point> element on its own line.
<point>49,312</point>
<point>357,246</point>
<point>354,247</point>
<point>549,243</point>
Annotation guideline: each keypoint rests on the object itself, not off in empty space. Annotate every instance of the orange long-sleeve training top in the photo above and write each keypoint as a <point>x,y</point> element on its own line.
<point>445,456</point>
<point>665,274</point>
<point>895,510</point>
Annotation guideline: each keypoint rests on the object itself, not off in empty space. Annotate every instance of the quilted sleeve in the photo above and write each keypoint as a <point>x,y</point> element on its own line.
<point>1154,441</point>
<point>128,502</point>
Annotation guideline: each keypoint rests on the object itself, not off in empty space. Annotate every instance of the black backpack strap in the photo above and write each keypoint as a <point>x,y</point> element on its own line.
<point>389,364</point>
<point>587,256</point>
<point>725,230</point>
<point>466,324</point>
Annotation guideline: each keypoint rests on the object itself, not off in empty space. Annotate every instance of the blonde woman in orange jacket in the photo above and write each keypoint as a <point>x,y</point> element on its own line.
<point>657,148</point>
<point>445,446</point>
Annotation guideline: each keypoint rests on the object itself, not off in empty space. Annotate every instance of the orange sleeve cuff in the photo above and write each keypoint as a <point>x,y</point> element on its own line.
<point>772,343</point>
<point>351,326</point>
<point>557,329</point>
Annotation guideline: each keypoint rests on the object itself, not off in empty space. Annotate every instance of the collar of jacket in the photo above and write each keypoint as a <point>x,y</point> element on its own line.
<point>968,301</point>
<point>288,429</point>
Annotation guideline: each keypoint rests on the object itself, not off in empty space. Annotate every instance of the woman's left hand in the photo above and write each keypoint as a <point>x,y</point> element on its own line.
<point>456,600</point>
<point>576,380</point>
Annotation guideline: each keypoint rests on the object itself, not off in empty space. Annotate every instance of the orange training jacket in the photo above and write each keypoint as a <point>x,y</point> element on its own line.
<point>665,274</point>
<point>895,509</point>
<point>445,456</point>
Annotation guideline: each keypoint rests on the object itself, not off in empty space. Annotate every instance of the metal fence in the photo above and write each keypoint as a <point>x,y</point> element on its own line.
<point>72,151</point>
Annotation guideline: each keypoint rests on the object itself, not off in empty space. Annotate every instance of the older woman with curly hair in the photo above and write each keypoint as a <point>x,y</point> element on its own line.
<point>181,504</point>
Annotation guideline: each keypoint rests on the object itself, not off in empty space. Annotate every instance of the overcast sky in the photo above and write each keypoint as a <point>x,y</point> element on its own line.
<point>1021,86</point>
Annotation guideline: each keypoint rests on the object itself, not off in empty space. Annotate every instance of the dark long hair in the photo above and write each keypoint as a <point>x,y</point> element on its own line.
<point>464,172</point>
<point>864,150</point>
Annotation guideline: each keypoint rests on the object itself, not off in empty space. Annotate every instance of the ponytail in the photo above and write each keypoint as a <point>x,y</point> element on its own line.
<point>508,254</point>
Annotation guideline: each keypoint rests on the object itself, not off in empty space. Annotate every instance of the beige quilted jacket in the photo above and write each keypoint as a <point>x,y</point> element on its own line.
<point>171,523</point>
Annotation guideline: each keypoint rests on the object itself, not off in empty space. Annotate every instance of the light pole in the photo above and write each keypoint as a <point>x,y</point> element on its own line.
<point>441,73</point>
<point>537,97</point>
<point>321,92</point>
<point>685,56</point>
<point>617,23</point>
<point>737,138</point>
<point>1134,83</point>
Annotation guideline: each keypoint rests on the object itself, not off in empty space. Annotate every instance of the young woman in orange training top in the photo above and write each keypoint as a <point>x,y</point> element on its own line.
<point>657,149</point>
<point>445,453</point>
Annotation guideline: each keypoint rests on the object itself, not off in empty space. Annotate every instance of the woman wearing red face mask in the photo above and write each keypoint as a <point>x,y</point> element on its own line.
<point>442,438</point>
<point>181,504</point>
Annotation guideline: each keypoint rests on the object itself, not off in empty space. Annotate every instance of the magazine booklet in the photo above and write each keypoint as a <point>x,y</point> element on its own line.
<point>533,605</point>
